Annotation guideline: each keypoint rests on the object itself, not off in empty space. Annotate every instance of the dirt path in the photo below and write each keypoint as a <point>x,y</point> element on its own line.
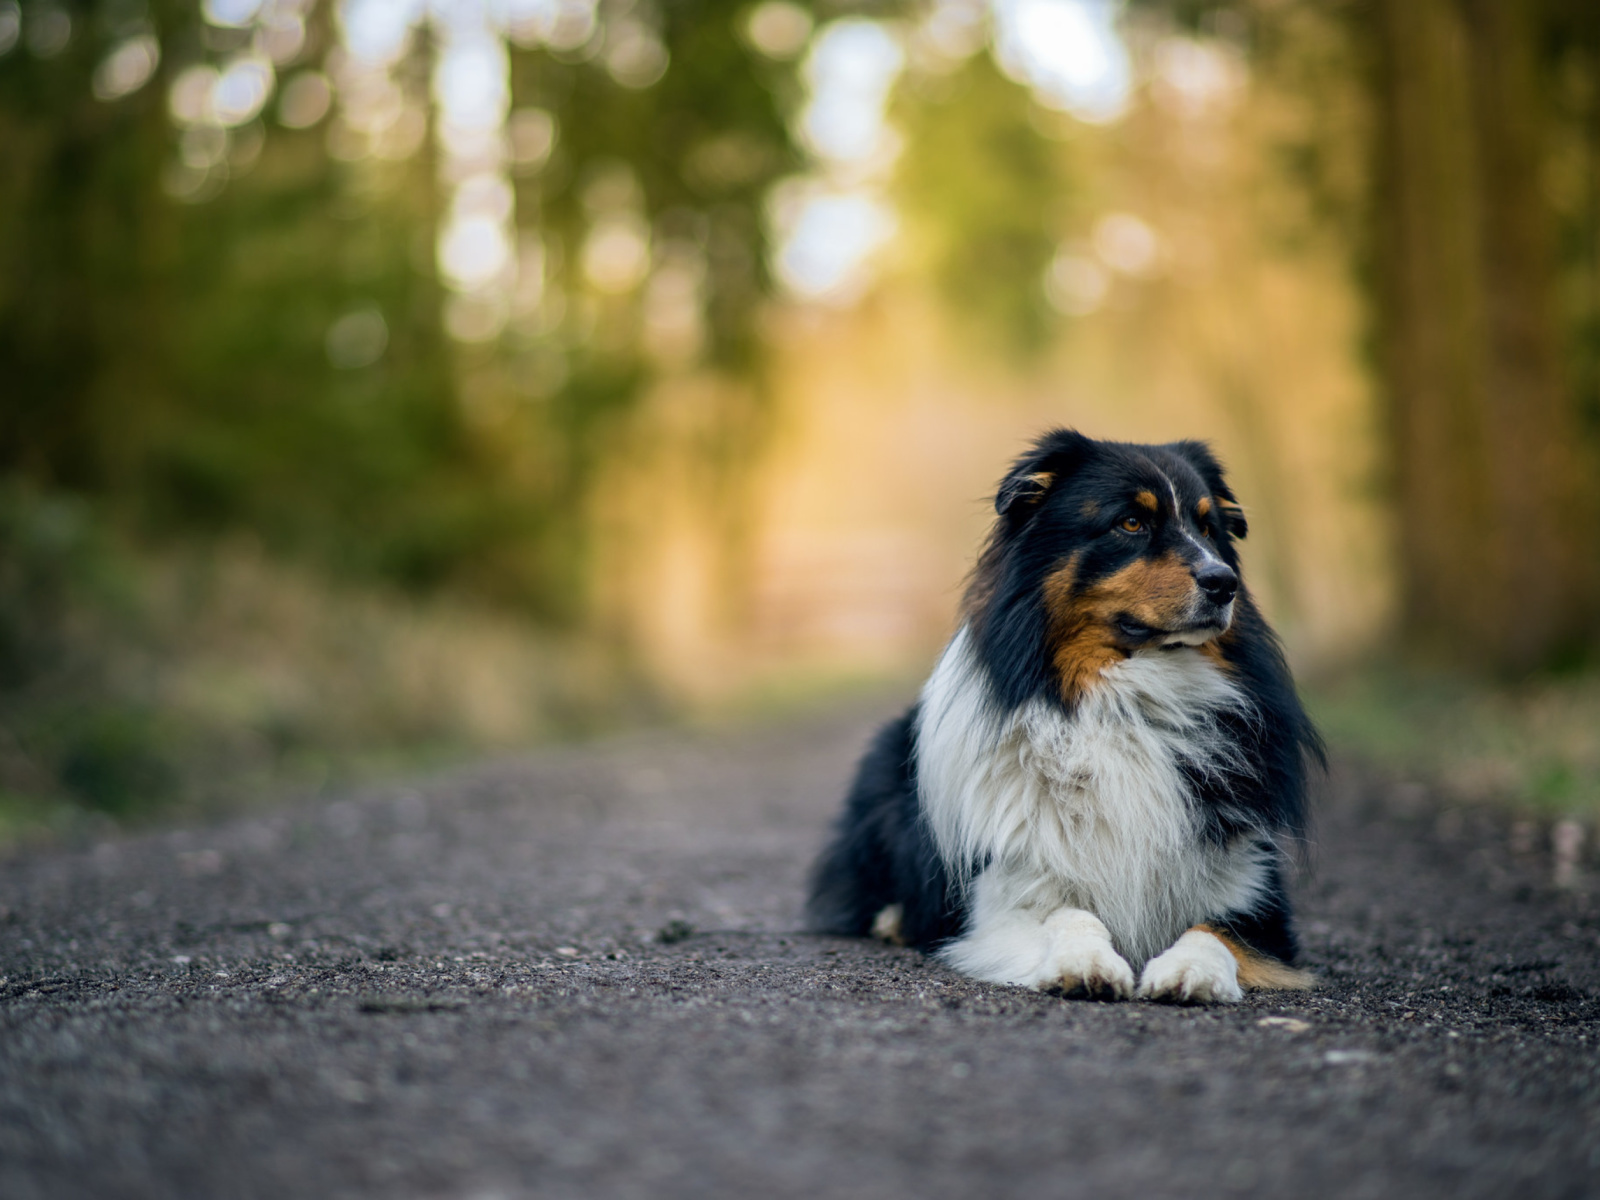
<point>455,989</point>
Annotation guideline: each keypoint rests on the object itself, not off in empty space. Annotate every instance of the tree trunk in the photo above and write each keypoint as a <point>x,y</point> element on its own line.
<point>1495,543</point>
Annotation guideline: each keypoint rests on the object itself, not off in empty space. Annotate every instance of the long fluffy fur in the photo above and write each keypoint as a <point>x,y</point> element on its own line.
<point>1029,828</point>
<point>1092,808</point>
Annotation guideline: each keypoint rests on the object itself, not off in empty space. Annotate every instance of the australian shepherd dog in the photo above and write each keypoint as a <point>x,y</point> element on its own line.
<point>1096,789</point>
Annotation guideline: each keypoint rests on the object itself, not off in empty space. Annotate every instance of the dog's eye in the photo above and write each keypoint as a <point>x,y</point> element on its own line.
<point>1205,531</point>
<point>1131,525</point>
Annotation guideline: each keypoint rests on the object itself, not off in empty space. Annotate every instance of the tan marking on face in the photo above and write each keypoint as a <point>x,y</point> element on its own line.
<point>1203,509</point>
<point>1257,971</point>
<point>1084,641</point>
<point>1080,649</point>
<point>1146,501</point>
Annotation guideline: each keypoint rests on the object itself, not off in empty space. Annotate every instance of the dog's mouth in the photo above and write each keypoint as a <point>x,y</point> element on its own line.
<point>1136,633</point>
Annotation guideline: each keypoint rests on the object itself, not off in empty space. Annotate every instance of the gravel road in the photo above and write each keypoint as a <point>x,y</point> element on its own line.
<point>459,987</point>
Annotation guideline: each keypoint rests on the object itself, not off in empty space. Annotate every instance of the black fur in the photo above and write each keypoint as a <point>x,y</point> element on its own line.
<point>882,853</point>
<point>1062,498</point>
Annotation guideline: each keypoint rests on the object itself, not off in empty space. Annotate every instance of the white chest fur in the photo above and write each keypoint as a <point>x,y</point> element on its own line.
<point>1090,810</point>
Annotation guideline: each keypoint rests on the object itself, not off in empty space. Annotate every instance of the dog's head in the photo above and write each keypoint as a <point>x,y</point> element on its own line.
<point>1103,549</point>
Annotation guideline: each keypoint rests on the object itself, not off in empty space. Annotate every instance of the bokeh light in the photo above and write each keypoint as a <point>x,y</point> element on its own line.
<point>826,239</point>
<point>778,29</point>
<point>242,90</point>
<point>127,68</point>
<point>850,71</point>
<point>189,99</point>
<point>1075,284</point>
<point>304,99</point>
<point>1126,244</point>
<point>357,339</point>
<point>828,224</point>
<point>377,32</point>
<point>10,25</point>
<point>474,251</point>
<point>1068,52</point>
<point>634,55</point>
<point>532,136</point>
<point>1193,78</point>
<point>235,14</point>
<point>616,254</point>
<point>47,30</point>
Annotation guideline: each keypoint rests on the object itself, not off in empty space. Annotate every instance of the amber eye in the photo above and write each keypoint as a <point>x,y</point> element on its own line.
<point>1205,531</point>
<point>1131,525</point>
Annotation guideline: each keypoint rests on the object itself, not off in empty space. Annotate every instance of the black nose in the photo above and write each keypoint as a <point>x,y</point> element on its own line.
<point>1218,582</point>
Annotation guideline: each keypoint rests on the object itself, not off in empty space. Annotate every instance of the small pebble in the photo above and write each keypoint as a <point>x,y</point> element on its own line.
<point>1287,1024</point>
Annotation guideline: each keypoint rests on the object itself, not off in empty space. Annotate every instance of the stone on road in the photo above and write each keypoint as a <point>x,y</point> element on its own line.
<point>579,975</point>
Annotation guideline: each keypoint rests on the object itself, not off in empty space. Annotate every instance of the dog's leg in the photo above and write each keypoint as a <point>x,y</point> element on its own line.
<point>1197,969</point>
<point>1213,964</point>
<point>1082,961</point>
<point>1004,946</point>
<point>1066,950</point>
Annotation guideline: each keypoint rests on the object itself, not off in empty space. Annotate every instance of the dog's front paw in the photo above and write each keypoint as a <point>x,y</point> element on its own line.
<point>1090,969</point>
<point>1198,969</point>
<point>1082,962</point>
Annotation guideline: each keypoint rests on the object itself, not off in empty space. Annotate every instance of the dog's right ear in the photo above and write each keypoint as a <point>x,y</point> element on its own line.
<point>1052,458</point>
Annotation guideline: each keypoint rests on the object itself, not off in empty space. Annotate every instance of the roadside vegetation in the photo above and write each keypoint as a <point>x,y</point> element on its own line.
<point>138,685</point>
<point>1532,746</point>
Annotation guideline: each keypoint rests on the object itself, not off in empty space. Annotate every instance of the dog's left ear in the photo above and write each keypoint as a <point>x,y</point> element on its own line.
<point>1233,519</point>
<point>1051,459</point>
<point>1199,456</point>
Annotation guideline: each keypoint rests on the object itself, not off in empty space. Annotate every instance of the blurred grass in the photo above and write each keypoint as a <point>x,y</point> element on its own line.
<point>1532,746</point>
<point>138,683</point>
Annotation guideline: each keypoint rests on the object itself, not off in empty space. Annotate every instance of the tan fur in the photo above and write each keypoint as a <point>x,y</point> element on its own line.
<point>1203,508</point>
<point>1146,500</point>
<point>1085,641</point>
<point>1259,972</point>
<point>1215,651</point>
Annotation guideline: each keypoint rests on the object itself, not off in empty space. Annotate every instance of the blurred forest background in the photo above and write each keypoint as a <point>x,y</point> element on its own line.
<point>383,380</point>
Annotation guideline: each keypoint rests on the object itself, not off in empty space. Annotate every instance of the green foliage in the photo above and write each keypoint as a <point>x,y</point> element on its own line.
<point>117,761</point>
<point>133,684</point>
<point>169,359</point>
<point>175,429</point>
<point>983,194</point>
<point>704,144</point>
<point>1571,67</point>
<point>1534,745</point>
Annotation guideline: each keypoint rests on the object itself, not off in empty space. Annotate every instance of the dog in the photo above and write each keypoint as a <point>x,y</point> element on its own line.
<point>1097,788</point>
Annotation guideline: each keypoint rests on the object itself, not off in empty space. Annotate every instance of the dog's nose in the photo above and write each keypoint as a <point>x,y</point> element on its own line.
<point>1218,582</point>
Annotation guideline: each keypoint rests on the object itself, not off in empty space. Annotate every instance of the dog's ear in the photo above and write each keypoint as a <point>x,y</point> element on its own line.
<point>1050,460</point>
<point>1233,519</point>
<point>1199,456</point>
